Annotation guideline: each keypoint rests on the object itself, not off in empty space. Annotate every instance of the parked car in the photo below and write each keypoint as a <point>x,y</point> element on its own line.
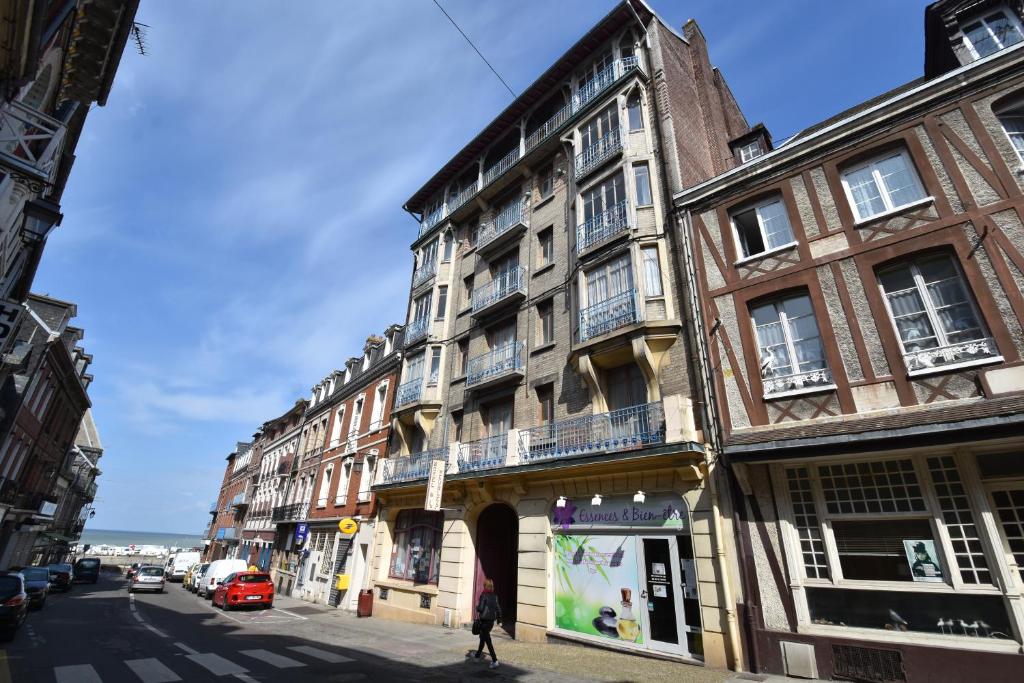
<point>37,585</point>
<point>62,577</point>
<point>188,575</point>
<point>217,572</point>
<point>87,569</point>
<point>147,578</point>
<point>197,577</point>
<point>179,563</point>
<point>245,588</point>
<point>13,604</point>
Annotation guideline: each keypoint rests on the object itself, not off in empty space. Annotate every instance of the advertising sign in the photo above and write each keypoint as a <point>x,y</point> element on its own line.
<point>596,586</point>
<point>301,531</point>
<point>924,563</point>
<point>435,484</point>
<point>348,526</point>
<point>661,511</point>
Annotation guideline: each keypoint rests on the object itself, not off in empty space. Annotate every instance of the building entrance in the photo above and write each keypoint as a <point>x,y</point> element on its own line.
<point>497,558</point>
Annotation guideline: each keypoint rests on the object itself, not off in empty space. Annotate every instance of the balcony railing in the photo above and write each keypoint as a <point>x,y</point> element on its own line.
<point>617,311</point>
<point>601,151</point>
<point>549,128</point>
<point>629,428</point>
<point>431,219</point>
<point>602,80</point>
<point>505,285</point>
<point>797,381</point>
<point>462,197</point>
<point>483,454</point>
<point>501,166</point>
<point>604,225</point>
<point>239,500</point>
<point>925,359</point>
<point>424,273</point>
<point>287,513</point>
<point>30,141</point>
<point>411,467</point>
<point>512,215</point>
<point>416,330</point>
<point>500,361</point>
<point>409,392</point>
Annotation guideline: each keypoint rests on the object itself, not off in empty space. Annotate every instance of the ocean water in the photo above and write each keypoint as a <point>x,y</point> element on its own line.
<point>126,538</point>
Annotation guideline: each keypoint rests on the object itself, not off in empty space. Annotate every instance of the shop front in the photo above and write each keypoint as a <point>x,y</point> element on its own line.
<point>624,573</point>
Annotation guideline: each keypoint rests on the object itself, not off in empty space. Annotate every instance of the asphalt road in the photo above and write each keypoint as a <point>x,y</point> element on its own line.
<point>101,634</point>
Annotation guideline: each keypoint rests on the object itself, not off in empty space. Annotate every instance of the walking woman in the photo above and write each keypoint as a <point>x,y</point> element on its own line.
<point>488,611</point>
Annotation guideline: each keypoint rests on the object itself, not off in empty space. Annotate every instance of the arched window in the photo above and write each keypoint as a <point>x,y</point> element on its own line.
<point>633,111</point>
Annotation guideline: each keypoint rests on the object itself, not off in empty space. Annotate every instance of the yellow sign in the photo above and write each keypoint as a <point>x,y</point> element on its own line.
<point>342,582</point>
<point>348,526</point>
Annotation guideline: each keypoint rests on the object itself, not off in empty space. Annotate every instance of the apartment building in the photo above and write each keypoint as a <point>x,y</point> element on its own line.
<point>225,530</point>
<point>547,364</point>
<point>354,407</point>
<point>862,331</point>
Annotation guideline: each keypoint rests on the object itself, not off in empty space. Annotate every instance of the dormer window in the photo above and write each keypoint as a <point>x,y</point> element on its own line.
<point>991,33</point>
<point>750,151</point>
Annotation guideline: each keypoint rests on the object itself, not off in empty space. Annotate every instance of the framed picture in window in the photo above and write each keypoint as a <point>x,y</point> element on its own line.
<point>924,562</point>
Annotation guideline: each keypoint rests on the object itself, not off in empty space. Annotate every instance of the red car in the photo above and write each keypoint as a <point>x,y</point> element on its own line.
<point>245,588</point>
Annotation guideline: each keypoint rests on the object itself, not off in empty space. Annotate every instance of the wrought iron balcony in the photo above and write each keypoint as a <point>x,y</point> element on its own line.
<point>411,467</point>
<point>501,289</point>
<point>30,141</point>
<point>549,128</point>
<point>798,381</point>
<point>602,80</point>
<point>501,362</point>
<point>922,360</point>
<point>594,156</point>
<point>431,219</point>
<point>462,197</point>
<point>501,167</point>
<point>409,392</point>
<point>610,314</point>
<point>424,273</point>
<point>288,513</point>
<point>416,330</point>
<point>509,222</point>
<point>484,454</point>
<point>603,226</point>
<point>629,428</point>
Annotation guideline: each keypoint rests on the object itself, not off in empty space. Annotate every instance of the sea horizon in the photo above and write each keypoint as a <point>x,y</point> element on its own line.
<point>126,537</point>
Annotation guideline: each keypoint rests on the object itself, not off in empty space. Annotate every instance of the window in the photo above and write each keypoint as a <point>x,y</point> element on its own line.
<point>750,151</point>
<point>546,246</point>
<point>546,404</point>
<point>325,486</point>
<point>605,196</point>
<point>429,257</point>
<point>339,416</point>
<point>883,184</point>
<point>463,356</point>
<point>442,301</point>
<point>762,227</point>
<point>357,415</point>
<point>652,271</point>
<point>934,314</point>
<point>416,555</point>
<point>642,178</point>
<point>414,367</point>
<point>545,322</point>
<point>1013,126</point>
<point>366,478</point>
<point>633,112</point>
<point>421,308</point>
<point>467,286</point>
<point>435,366</point>
<point>990,34</point>
<point>379,399</point>
<point>449,242</point>
<point>791,353</point>
<point>456,425</point>
<point>547,182</point>
<point>609,280</point>
<point>602,125</point>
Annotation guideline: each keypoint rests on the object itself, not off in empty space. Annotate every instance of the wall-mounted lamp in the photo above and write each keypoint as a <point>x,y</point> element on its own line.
<point>560,503</point>
<point>639,497</point>
<point>596,500</point>
<point>39,217</point>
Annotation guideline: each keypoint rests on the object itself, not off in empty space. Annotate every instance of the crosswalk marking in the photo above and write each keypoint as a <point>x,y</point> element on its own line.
<point>186,648</point>
<point>280,661</point>
<point>216,664</point>
<point>151,670</point>
<point>317,653</point>
<point>79,673</point>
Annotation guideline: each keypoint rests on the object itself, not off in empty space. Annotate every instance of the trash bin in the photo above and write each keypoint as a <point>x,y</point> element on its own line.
<point>364,608</point>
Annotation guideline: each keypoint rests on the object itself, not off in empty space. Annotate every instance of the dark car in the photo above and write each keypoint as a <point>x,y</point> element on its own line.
<point>87,569</point>
<point>37,585</point>
<point>13,603</point>
<point>62,577</point>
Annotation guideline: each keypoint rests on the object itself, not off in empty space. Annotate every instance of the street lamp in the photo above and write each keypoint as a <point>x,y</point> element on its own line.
<point>39,217</point>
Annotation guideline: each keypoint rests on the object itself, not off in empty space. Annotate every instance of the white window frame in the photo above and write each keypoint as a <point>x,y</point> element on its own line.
<point>750,151</point>
<point>344,481</point>
<point>883,191</point>
<point>1016,112</point>
<point>380,397</point>
<point>790,344</point>
<point>325,486</point>
<point>983,20</point>
<point>756,208</point>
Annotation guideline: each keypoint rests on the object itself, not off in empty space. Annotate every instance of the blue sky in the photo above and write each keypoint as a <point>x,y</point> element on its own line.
<point>233,227</point>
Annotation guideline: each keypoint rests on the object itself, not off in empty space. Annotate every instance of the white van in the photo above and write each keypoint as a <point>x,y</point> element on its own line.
<point>178,564</point>
<point>216,573</point>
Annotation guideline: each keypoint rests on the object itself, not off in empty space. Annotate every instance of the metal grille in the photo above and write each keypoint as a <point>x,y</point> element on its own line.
<point>959,521</point>
<point>340,560</point>
<point>867,664</point>
<point>1010,508</point>
<point>871,487</point>
<point>806,517</point>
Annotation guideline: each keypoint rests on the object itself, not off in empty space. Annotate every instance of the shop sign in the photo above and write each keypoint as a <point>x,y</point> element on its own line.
<point>348,526</point>
<point>658,511</point>
<point>435,484</point>
<point>301,531</point>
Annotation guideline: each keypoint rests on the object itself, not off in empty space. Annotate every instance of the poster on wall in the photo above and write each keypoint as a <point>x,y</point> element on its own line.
<point>924,563</point>
<point>596,586</point>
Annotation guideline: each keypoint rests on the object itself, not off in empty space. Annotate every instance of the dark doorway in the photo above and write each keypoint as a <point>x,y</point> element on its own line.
<point>497,558</point>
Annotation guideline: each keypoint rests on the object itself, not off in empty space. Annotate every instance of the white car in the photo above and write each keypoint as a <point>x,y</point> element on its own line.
<point>147,578</point>
<point>197,577</point>
<point>216,573</point>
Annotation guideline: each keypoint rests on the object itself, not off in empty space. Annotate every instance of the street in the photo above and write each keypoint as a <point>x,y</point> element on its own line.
<point>101,634</point>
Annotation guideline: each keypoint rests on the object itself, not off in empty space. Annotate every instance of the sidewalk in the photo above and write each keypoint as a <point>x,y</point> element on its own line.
<point>436,646</point>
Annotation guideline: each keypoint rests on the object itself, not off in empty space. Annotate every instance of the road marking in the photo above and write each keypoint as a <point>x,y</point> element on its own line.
<point>79,673</point>
<point>151,670</point>
<point>320,654</point>
<point>280,661</point>
<point>5,670</point>
<point>291,614</point>
<point>246,677</point>
<point>186,648</point>
<point>138,617</point>
<point>131,601</point>
<point>217,665</point>
<point>155,630</point>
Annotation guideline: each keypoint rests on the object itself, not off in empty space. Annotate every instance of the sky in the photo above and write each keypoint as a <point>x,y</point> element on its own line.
<point>233,227</point>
